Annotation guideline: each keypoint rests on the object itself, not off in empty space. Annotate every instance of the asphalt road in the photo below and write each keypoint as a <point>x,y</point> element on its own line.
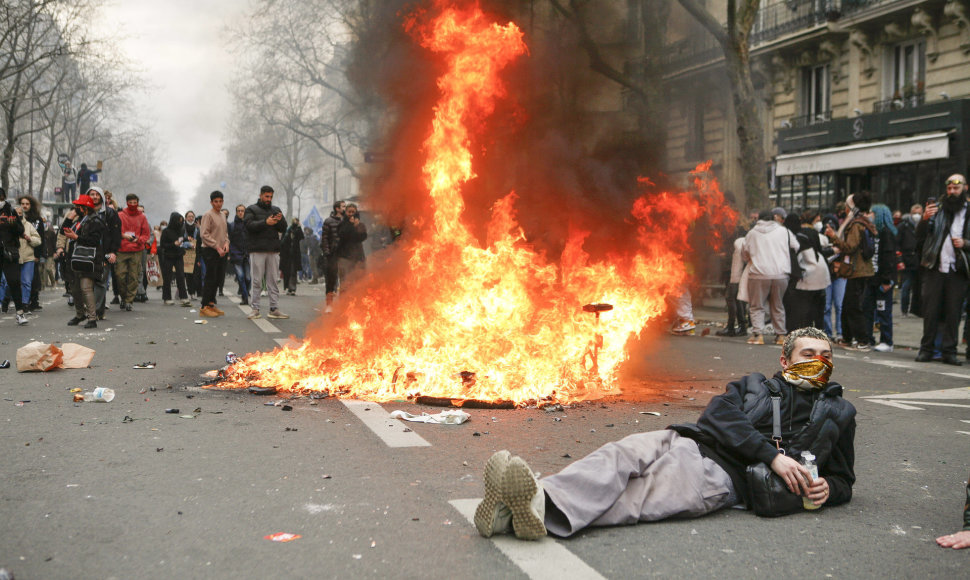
<point>125,490</point>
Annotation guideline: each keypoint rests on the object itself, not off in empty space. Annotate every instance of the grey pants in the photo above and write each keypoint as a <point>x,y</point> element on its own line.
<point>771,292</point>
<point>264,265</point>
<point>644,477</point>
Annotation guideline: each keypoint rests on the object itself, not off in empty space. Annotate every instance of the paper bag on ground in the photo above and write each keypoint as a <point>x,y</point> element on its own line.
<point>76,356</point>
<point>38,356</point>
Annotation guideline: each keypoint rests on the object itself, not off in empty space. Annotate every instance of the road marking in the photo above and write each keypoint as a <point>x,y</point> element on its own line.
<point>895,404</point>
<point>545,559</point>
<point>936,394</point>
<point>894,364</point>
<point>290,342</point>
<point>964,432</point>
<point>391,431</point>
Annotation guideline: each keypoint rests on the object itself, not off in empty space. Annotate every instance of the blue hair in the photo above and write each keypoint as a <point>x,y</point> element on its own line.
<point>884,218</point>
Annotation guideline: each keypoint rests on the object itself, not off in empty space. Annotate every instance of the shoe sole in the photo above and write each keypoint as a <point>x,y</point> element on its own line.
<point>494,474</point>
<point>277,317</point>
<point>520,487</point>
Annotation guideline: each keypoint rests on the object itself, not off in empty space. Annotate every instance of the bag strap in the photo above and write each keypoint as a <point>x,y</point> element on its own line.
<point>775,413</point>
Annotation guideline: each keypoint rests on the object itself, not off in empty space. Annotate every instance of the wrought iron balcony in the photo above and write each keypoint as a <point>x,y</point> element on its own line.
<point>895,104</point>
<point>806,120</point>
<point>783,18</point>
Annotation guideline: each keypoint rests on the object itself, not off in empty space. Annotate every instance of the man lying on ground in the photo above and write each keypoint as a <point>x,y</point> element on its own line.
<point>691,470</point>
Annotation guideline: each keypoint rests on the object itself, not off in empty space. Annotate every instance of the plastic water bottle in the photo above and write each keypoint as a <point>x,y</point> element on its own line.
<point>809,461</point>
<point>99,395</point>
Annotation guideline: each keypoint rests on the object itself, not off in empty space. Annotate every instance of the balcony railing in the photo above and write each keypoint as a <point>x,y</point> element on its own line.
<point>895,104</point>
<point>806,120</point>
<point>687,53</point>
<point>780,19</point>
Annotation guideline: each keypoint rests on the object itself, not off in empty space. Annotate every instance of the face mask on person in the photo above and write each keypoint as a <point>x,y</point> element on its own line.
<point>809,374</point>
<point>817,226</point>
<point>916,218</point>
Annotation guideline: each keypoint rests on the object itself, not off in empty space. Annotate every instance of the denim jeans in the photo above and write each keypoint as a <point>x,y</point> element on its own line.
<point>243,278</point>
<point>833,299</point>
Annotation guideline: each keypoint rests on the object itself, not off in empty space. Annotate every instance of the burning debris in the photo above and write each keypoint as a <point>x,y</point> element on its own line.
<point>511,330</point>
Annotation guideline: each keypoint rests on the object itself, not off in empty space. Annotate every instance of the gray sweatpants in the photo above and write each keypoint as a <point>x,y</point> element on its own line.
<point>264,265</point>
<point>771,292</point>
<point>643,477</point>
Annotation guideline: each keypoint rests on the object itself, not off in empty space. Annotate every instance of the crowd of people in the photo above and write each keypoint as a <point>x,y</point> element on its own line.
<point>99,247</point>
<point>839,272</point>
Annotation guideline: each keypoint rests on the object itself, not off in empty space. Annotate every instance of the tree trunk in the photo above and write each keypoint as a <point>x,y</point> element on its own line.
<point>749,124</point>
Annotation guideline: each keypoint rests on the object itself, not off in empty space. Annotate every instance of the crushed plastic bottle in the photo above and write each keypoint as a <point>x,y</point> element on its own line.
<point>99,395</point>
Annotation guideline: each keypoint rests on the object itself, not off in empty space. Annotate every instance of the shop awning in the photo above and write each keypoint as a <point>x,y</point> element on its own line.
<point>886,152</point>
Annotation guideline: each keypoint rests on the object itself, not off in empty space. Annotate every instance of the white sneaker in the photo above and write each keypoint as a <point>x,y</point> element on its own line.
<point>21,319</point>
<point>168,302</point>
<point>683,325</point>
<point>492,515</point>
<point>883,347</point>
<point>525,499</point>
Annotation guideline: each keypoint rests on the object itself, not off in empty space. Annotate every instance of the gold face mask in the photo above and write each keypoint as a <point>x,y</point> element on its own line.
<point>809,374</point>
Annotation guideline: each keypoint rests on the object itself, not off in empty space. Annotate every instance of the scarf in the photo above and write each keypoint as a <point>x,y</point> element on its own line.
<point>809,374</point>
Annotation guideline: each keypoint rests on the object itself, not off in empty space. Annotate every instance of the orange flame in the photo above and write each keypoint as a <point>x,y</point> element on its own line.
<point>495,320</point>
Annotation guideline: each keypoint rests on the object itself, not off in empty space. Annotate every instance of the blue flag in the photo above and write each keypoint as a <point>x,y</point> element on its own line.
<point>314,221</point>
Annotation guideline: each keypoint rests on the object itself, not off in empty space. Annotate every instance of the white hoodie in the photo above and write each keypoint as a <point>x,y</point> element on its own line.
<point>766,249</point>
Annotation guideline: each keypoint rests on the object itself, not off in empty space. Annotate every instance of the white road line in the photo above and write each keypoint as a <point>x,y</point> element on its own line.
<point>290,342</point>
<point>964,432</point>
<point>936,394</point>
<point>957,375</point>
<point>894,364</point>
<point>391,431</point>
<point>261,323</point>
<point>546,559</point>
<point>895,404</point>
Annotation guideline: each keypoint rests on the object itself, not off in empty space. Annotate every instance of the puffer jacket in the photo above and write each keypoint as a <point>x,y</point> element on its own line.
<point>238,243</point>
<point>27,246</point>
<point>262,236</point>
<point>330,235</point>
<point>11,231</point>
<point>736,427</point>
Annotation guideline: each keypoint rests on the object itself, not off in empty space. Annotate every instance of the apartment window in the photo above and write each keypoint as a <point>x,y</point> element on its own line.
<point>909,69</point>
<point>815,94</point>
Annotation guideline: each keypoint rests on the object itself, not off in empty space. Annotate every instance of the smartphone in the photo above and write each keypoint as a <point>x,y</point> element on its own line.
<point>930,200</point>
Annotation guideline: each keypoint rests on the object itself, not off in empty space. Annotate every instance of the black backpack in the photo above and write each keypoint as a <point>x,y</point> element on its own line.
<point>868,244</point>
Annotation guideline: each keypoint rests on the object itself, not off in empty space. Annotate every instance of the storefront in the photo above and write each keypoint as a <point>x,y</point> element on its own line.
<point>902,157</point>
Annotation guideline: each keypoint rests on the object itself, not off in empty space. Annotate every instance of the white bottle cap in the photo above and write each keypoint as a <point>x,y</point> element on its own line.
<point>807,456</point>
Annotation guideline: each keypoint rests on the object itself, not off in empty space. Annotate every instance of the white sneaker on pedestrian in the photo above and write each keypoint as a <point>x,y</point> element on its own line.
<point>683,325</point>
<point>254,315</point>
<point>883,347</point>
<point>21,319</point>
<point>168,302</point>
<point>275,313</point>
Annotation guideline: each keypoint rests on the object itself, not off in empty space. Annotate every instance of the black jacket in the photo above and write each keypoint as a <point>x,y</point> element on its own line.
<point>906,243</point>
<point>351,246</point>
<point>112,240</point>
<point>11,230</point>
<point>330,237</point>
<point>932,232</point>
<point>262,236</point>
<point>238,241</point>
<point>735,431</point>
<point>886,258</point>
<point>167,248</point>
<point>92,231</point>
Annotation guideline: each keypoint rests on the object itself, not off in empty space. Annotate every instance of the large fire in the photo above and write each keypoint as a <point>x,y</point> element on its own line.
<point>492,320</point>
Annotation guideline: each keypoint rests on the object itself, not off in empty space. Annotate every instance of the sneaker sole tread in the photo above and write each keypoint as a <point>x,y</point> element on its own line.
<point>520,487</point>
<point>485,513</point>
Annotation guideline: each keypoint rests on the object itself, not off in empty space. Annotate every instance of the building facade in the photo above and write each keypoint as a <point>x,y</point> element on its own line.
<point>855,94</point>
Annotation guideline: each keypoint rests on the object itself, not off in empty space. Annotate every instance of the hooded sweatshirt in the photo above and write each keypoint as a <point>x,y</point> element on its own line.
<point>766,248</point>
<point>134,221</point>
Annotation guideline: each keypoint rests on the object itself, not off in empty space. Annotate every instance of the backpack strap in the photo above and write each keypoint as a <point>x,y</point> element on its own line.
<point>775,396</point>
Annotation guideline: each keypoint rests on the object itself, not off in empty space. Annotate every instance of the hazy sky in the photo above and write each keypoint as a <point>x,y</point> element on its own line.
<point>180,47</point>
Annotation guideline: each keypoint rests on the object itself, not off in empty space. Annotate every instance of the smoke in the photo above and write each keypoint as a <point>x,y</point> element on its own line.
<point>570,167</point>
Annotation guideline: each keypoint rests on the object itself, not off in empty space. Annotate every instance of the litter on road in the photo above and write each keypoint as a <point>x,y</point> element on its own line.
<point>282,537</point>
<point>442,418</point>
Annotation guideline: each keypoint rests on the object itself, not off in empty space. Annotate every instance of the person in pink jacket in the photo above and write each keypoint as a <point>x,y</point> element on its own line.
<point>135,233</point>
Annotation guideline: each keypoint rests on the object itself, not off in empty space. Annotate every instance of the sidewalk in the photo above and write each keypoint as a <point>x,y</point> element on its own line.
<point>906,331</point>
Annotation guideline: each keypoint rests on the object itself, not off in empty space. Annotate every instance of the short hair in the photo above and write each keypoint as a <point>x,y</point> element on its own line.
<point>240,206</point>
<point>862,200</point>
<point>765,215</point>
<point>216,195</point>
<point>336,204</point>
<point>353,205</point>
<point>131,196</point>
<point>807,332</point>
<point>914,207</point>
<point>809,215</point>
<point>266,189</point>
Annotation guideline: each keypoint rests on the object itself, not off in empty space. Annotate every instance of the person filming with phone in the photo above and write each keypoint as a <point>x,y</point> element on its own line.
<point>944,268</point>
<point>264,227</point>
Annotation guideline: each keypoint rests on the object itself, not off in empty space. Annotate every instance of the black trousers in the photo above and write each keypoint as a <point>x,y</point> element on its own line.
<point>215,270</point>
<point>807,307</point>
<point>942,303</point>
<point>853,321</point>
<point>172,268</point>
<point>11,270</point>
